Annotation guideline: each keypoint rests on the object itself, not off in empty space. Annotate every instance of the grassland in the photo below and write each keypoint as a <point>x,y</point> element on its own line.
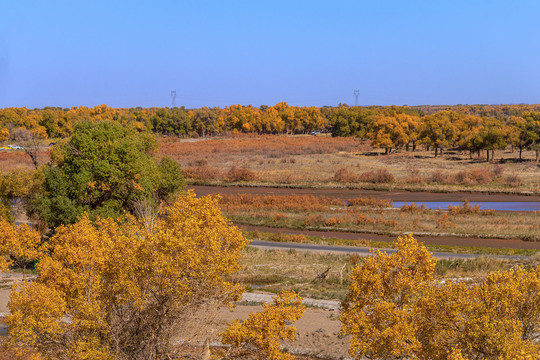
<point>323,161</point>
<point>377,216</point>
<point>273,270</point>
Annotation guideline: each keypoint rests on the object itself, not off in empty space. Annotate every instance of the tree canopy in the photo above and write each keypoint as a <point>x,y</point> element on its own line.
<point>396,310</point>
<point>127,290</point>
<point>103,169</point>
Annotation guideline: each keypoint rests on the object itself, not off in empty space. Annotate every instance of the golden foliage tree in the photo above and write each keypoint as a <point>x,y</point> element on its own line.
<point>395,310</point>
<point>258,337</point>
<point>120,291</point>
<point>378,307</point>
<point>19,244</point>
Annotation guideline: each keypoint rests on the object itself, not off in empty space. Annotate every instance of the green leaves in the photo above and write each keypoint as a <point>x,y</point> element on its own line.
<point>102,170</point>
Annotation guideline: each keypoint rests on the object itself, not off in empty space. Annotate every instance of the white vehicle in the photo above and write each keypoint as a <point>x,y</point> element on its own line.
<point>16,147</point>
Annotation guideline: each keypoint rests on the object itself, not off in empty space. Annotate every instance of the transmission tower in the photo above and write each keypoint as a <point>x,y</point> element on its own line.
<point>356,93</point>
<point>173,96</point>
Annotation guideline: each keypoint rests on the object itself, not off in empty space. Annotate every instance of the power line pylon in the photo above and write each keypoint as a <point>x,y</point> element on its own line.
<point>173,96</point>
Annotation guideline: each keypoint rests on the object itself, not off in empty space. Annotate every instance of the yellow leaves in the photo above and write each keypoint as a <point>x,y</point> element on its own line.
<point>36,314</point>
<point>4,134</point>
<point>108,290</point>
<point>395,309</point>
<point>18,242</point>
<point>378,307</point>
<point>259,335</point>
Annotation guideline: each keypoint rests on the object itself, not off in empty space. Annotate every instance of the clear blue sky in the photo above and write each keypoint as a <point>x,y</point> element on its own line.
<point>217,53</point>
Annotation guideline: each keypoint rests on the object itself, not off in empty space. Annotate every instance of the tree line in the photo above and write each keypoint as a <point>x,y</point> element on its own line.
<point>472,128</point>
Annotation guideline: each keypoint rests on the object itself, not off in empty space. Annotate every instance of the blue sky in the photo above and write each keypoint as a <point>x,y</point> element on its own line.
<point>217,53</point>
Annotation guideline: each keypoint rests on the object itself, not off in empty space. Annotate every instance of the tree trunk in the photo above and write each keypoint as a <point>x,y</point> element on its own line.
<point>436,149</point>
<point>487,155</point>
<point>520,150</point>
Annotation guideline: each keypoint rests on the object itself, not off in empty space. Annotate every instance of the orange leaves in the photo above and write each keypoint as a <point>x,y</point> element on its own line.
<point>393,131</point>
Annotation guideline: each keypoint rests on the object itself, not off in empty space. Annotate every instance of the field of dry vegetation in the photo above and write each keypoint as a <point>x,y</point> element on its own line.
<point>324,161</point>
<point>374,215</point>
<point>274,270</point>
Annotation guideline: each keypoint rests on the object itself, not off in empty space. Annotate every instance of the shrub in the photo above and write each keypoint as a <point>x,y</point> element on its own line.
<point>333,221</point>
<point>203,173</point>
<point>240,174</point>
<point>440,178</point>
<point>94,275</point>
<point>513,180</point>
<point>311,220</point>
<point>278,216</point>
<point>381,176</point>
<point>413,208</point>
<point>363,220</point>
<point>475,177</point>
<point>369,201</point>
<point>343,175</point>
<point>464,177</point>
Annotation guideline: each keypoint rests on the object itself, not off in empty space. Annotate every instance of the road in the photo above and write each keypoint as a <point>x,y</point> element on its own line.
<point>361,251</point>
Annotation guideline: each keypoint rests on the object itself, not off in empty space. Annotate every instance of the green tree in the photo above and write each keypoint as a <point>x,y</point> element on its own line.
<point>104,169</point>
<point>493,137</point>
<point>531,132</point>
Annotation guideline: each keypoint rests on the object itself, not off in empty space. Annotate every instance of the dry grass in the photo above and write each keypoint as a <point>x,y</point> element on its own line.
<point>314,161</point>
<point>17,159</point>
<point>273,270</point>
<point>296,203</point>
<point>319,160</point>
<point>269,146</point>
<point>365,214</point>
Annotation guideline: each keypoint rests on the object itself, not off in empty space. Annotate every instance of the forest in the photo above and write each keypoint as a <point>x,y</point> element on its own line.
<point>473,128</point>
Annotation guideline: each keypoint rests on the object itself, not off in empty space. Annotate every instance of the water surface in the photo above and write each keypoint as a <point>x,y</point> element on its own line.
<point>484,205</point>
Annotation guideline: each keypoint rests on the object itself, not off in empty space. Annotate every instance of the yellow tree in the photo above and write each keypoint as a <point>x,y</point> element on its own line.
<point>392,131</point>
<point>19,244</point>
<point>258,337</point>
<point>121,291</point>
<point>377,312</point>
<point>440,129</point>
<point>395,310</point>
